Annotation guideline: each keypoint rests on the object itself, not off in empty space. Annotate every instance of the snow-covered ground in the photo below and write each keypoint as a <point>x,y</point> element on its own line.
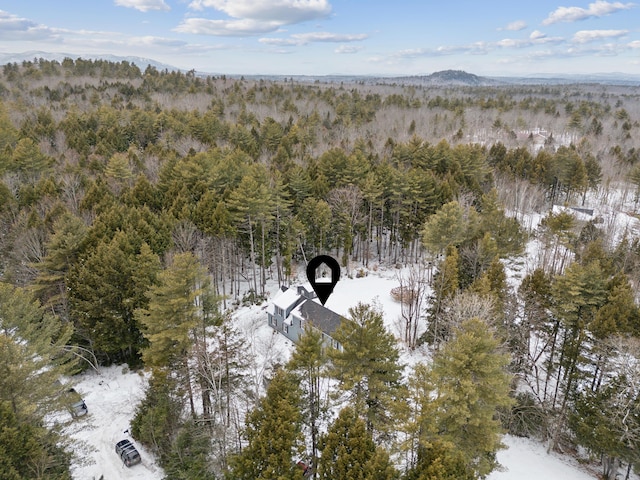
<point>526,459</point>
<point>111,398</point>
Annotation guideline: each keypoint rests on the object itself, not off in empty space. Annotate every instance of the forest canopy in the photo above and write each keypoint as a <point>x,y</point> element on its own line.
<point>139,208</point>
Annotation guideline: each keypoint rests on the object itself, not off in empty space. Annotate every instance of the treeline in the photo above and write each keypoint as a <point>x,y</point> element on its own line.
<point>139,208</point>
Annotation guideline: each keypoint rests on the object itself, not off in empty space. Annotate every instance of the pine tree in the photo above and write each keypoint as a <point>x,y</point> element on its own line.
<point>440,460</point>
<point>180,308</point>
<point>367,366</point>
<point>445,286</point>
<point>252,207</point>
<point>349,452</point>
<point>33,358</point>
<point>471,384</point>
<point>273,434</point>
<point>188,457</point>
<point>577,296</point>
<point>607,422</point>
<point>63,249</point>
<point>309,360</point>
<point>105,289</point>
<point>447,227</point>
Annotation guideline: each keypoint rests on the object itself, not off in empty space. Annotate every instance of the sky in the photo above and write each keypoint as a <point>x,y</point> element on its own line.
<point>337,37</point>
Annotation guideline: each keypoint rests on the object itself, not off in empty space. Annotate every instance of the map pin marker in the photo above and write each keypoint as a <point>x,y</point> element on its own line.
<point>318,276</point>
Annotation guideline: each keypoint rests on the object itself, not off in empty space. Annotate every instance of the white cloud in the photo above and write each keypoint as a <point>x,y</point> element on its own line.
<point>312,37</point>
<point>634,44</point>
<point>476,48</point>
<point>586,36</point>
<point>250,17</point>
<point>283,12</point>
<point>516,26</point>
<point>151,41</point>
<point>599,8</point>
<point>143,5</point>
<point>537,35</point>
<point>14,28</point>
<point>228,28</point>
<point>512,43</point>
<point>347,49</point>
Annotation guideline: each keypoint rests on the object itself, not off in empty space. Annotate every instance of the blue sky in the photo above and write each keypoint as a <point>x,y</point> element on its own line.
<point>322,37</point>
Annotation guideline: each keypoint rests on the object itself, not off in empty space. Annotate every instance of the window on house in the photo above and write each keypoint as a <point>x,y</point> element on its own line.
<point>286,328</point>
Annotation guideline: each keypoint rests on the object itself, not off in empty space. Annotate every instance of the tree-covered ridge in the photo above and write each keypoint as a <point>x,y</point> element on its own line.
<point>141,207</point>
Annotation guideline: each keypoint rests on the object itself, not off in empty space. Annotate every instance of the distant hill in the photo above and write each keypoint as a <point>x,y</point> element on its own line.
<point>443,78</point>
<point>141,62</point>
<point>455,77</point>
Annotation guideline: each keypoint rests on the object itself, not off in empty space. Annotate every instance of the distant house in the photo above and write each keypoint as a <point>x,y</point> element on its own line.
<point>293,307</point>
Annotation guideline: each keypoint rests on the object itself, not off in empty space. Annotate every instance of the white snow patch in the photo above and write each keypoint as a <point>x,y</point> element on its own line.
<point>526,459</point>
<point>111,397</point>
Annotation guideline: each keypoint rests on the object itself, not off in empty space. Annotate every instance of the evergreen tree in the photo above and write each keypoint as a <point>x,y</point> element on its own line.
<point>607,422</point>
<point>309,360</point>
<point>349,452</point>
<point>27,447</point>
<point>447,227</point>
<point>252,206</point>
<point>188,457</point>
<point>33,357</point>
<point>445,285</point>
<point>577,297</point>
<point>105,289</point>
<point>367,366</point>
<point>63,249</point>
<point>273,433</point>
<point>181,306</point>
<point>157,417</point>
<point>440,460</point>
<point>471,384</point>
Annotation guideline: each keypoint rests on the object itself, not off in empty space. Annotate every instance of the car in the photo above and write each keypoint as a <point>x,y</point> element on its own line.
<point>79,409</point>
<point>76,405</point>
<point>128,453</point>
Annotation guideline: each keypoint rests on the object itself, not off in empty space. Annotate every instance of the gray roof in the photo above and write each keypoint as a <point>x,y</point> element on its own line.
<point>321,317</point>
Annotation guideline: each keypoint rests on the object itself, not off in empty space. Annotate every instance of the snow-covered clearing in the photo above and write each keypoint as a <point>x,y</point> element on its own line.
<point>526,459</point>
<point>111,398</point>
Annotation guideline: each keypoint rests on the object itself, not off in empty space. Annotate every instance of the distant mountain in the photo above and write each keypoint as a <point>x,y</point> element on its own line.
<point>443,78</point>
<point>141,63</point>
<point>454,77</point>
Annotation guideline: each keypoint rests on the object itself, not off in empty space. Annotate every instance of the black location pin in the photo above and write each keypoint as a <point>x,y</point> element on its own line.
<point>318,276</point>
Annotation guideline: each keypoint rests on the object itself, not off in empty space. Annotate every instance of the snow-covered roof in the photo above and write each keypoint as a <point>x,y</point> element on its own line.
<point>322,318</point>
<point>286,299</point>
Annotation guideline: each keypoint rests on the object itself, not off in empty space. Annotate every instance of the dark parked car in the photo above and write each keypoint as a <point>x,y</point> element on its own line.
<point>128,453</point>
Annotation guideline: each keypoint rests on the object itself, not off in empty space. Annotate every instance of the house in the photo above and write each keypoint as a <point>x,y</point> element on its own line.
<point>293,308</point>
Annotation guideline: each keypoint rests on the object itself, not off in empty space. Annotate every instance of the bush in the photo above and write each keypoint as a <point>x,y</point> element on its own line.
<point>526,418</point>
